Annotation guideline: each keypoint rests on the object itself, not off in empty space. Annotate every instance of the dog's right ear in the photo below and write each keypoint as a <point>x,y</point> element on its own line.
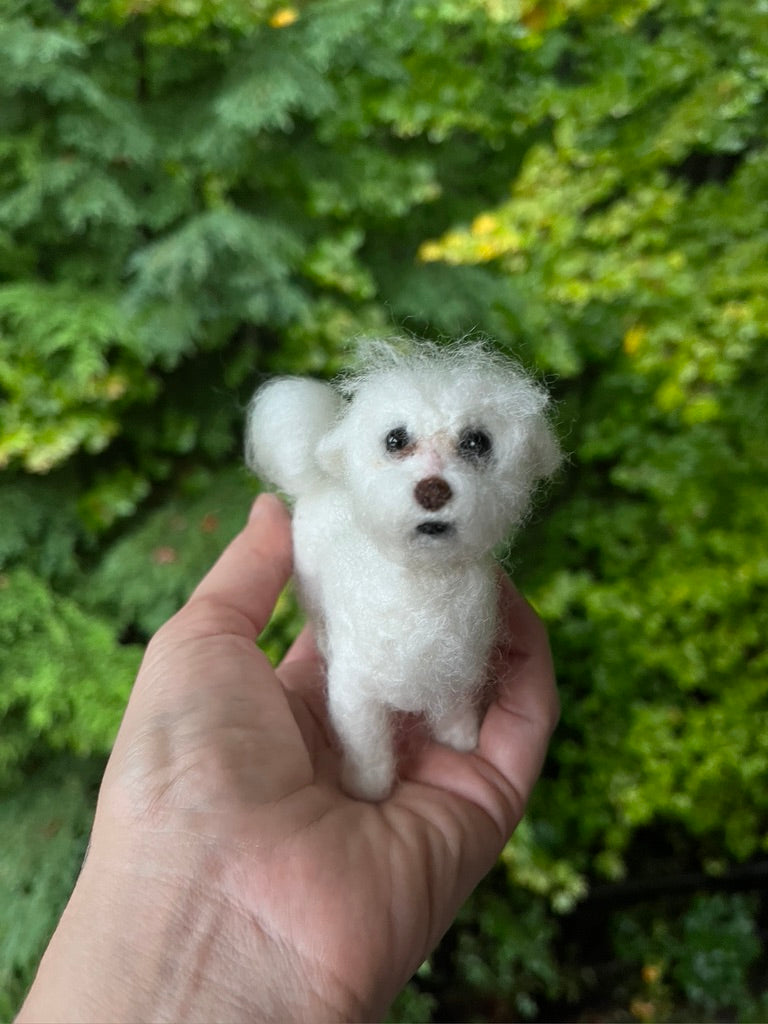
<point>331,450</point>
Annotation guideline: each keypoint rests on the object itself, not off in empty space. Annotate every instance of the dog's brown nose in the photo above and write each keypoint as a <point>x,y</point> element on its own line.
<point>432,493</point>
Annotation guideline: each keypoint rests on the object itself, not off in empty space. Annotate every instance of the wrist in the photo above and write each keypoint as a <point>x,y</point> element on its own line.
<point>145,940</point>
<point>133,943</point>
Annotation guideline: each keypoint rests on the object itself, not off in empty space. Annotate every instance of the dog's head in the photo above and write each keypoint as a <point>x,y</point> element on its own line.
<point>440,451</point>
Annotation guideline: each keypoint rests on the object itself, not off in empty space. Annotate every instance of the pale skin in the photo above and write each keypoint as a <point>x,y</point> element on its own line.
<point>229,878</point>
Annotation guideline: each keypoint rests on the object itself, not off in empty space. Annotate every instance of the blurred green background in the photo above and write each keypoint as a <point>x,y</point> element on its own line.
<point>195,193</point>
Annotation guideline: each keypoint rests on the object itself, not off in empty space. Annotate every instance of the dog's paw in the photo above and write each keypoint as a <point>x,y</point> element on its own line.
<point>459,730</point>
<point>372,782</point>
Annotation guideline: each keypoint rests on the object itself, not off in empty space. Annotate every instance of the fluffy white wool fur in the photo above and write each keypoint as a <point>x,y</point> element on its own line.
<point>397,574</point>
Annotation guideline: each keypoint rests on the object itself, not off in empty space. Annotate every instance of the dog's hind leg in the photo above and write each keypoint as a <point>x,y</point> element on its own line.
<point>458,728</point>
<point>364,728</point>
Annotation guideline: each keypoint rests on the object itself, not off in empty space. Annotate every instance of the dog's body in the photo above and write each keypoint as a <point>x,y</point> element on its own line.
<point>401,493</point>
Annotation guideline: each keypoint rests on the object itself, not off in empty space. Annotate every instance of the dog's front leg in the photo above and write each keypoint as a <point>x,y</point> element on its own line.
<point>364,728</point>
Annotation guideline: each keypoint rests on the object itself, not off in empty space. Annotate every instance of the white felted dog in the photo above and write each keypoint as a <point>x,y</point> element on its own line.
<point>405,477</point>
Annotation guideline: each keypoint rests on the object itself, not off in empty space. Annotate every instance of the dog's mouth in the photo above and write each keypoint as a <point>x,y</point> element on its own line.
<point>435,528</point>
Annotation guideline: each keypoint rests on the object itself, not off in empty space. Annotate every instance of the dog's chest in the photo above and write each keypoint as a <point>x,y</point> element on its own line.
<point>421,652</point>
<point>412,638</point>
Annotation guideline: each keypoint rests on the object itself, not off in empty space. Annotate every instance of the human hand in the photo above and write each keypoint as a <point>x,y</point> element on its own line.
<point>229,877</point>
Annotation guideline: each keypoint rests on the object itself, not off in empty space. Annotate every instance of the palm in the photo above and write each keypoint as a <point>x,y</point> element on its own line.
<point>224,748</point>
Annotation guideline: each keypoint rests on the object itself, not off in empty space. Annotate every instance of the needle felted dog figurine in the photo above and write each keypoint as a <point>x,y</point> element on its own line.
<point>405,476</point>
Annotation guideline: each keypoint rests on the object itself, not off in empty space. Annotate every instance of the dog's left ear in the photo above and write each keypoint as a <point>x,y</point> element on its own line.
<point>330,451</point>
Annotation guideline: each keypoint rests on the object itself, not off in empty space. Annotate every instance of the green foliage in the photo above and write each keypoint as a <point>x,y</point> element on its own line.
<point>412,1005</point>
<point>195,194</point>
<point>504,954</point>
<point>49,817</point>
<point>704,957</point>
<point>497,962</point>
<point>532,864</point>
<point>64,678</point>
<point>64,386</point>
<point>151,570</point>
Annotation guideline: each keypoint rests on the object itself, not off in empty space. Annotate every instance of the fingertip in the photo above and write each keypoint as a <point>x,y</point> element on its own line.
<point>267,505</point>
<point>268,529</point>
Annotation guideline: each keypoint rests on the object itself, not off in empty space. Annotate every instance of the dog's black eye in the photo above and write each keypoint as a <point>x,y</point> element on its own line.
<point>475,445</point>
<point>397,439</point>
